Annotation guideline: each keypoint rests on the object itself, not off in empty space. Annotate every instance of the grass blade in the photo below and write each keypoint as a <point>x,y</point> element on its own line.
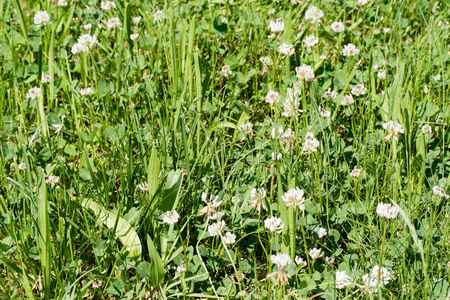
<point>157,270</point>
<point>44,233</point>
<point>124,231</point>
<point>171,191</point>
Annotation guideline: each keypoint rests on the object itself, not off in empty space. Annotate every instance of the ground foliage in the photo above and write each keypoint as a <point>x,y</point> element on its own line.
<point>174,99</point>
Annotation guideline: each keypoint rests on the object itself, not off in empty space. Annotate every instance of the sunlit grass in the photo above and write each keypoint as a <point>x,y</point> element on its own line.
<point>224,149</point>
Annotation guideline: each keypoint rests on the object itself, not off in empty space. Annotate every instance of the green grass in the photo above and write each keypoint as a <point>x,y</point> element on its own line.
<point>162,113</point>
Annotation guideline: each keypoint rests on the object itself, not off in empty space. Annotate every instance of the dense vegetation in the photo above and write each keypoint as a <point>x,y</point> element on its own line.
<point>224,149</point>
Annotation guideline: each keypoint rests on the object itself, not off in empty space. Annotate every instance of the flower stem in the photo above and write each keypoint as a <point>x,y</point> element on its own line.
<point>232,263</point>
<point>306,247</point>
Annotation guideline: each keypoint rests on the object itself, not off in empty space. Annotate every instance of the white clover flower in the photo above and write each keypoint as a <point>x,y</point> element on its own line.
<point>342,279</point>
<point>425,89</point>
<point>287,136</point>
<point>45,78</point>
<point>52,179</point>
<point>355,173</point>
<point>382,75</point>
<point>289,109</point>
<point>62,3</point>
<point>437,77</point>
<point>309,136</point>
<point>107,5</point>
<point>370,285</point>
<point>316,253</point>
<point>293,94</point>
<point>181,269</point>
<point>22,166</point>
<point>136,20</point>
<point>226,71</point>
<point>426,129</point>
<point>305,72</point>
<point>272,97</point>
<point>274,224</point>
<point>34,93</point>
<point>256,199</point>
<point>85,42</point>
<point>266,61</point>
<point>320,231</point>
<point>87,26</point>
<point>375,277</point>
<point>393,128</point>
<point>359,89</point>
<point>113,23</point>
<point>242,294</point>
<point>276,26</point>
<point>224,20</point>
<point>158,16</point>
<point>300,261</point>
<point>86,91</point>
<point>337,27</point>
<point>246,128</point>
<point>134,36</point>
<point>211,206</point>
<point>363,2</point>
<point>41,18</point>
<point>217,215</point>
<point>311,143</point>
<point>276,132</point>
<point>324,113</point>
<point>437,191</point>
<point>229,238</point>
<point>330,95</point>
<point>350,50</point>
<point>387,210</point>
<point>314,14</point>
<point>382,274</point>
<point>281,260</point>
<point>276,156</point>
<point>216,228</point>
<point>258,193</point>
<point>271,11</point>
<point>59,127</point>
<point>78,48</point>
<point>375,67</point>
<point>386,29</point>
<point>171,217</point>
<point>347,100</point>
<point>311,40</point>
<point>294,198</point>
<point>292,103</point>
<point>96,284</point>
<point>286,49</point>
<point>143,186</point>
